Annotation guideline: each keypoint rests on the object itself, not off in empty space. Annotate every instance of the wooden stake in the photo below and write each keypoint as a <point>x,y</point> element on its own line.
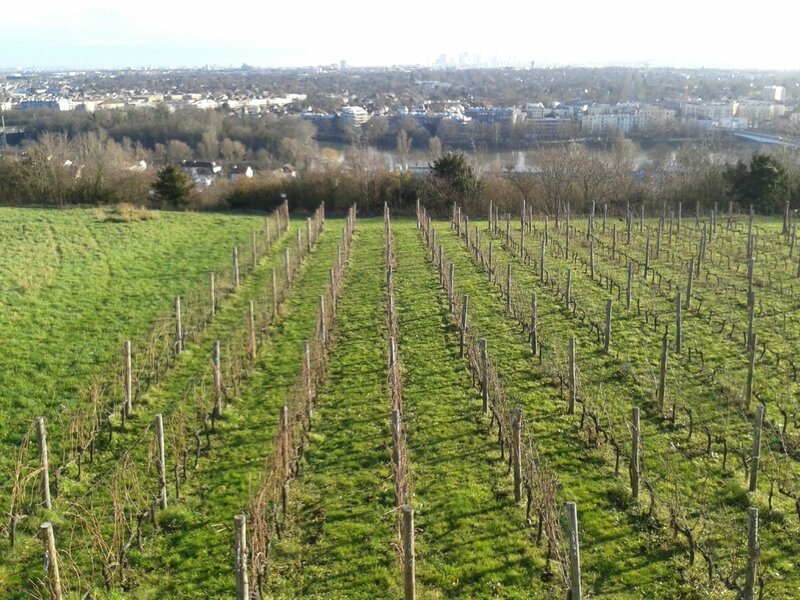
<point>678,323</point>
<point>242,582</point>
<point>753,554</point>
<point>647,257</point>
<point>254,245</point>
<point>755,456</point>
<point>287,263</point>
<point>251,331</point>
<point>409,559</point>
<point>591,260</point>
<point>636,443</point>
<point>274,294</point>
<point>508,287</point>
<point>574,552</point>
<point>516,451</point>
<point>751,362</point>
<point>689,284</point>
<point>484,375</point>
<point>323,331</point>
<point>160,461</point>
<point>127,378</point>
<point>236,268</point>
<point>541,262</point>
<point>463,331</point>
<point>213,295</point>
<point>215,361</point>
<point>607,340</point>
<point>534,323</point>
<point>628,287</point>
<point>44,462</point>
<point>662,375</point>
<point>568,294</point>
<point>51,560</point>
<point>573,379</point>
<point>178,327</point>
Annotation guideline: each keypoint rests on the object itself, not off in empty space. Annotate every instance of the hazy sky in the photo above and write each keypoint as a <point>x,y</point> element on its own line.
<point>90,33</point>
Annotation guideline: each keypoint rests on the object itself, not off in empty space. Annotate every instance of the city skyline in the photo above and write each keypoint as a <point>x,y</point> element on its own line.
<point>87,34</point>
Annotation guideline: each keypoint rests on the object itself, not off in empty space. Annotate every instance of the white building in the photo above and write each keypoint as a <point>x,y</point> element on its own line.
<point>773,93</point>
<point>354,115</point>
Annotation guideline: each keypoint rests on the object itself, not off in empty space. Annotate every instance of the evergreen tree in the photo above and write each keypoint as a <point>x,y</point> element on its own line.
<point>173,186</point>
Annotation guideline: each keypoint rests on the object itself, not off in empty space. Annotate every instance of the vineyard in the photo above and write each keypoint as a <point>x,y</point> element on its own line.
<point>511,406</point>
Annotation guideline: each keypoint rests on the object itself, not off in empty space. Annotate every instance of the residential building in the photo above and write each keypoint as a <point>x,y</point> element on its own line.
<point>354,116</point>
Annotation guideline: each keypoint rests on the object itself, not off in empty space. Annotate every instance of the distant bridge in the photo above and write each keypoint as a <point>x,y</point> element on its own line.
<point>767,138</point>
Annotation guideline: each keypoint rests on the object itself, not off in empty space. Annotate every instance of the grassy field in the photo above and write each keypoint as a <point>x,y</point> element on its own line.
<point>338,537</point>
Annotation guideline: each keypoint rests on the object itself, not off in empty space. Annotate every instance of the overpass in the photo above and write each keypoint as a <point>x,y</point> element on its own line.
<point>768,138</point>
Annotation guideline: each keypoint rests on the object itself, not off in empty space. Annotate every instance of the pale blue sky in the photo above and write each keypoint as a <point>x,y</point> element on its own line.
<point>90,33</point>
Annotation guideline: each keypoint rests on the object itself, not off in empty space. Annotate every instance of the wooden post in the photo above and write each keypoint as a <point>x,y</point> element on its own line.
<point>394,417</point>
<point>607,340</point>
<point>566,239</point>
<point>409,559</point>
<point>658,238</point>
<point>308,235</point>
<point>451,288</point>
<point>605,214</point>
<point>213,295</point>
<point>51,560</point>
<point>568,294</point>
<point>236,268</point>
<point>267,233</point>
<point>751,314</point>
<point>215,360</point>
<point>127,378</point>
<point>44,462</point>
<point>689,284</point>
<point>541,263</point>
<point>508,228</point>
<point>323,333</point>
<point>484,375</point>
<point>274,294</point>
<point>591,260</point>
<point>254,245</point>
<point>508,287</point>
<point>613,240</point>
<point>662,375</point>
<point>287,262</point>
<point>251,331</point>
<point>573,377</point>
<point>534,323</point>
<point>628,287</point>
<point>242,583</point>
<point>680,218</point>
<point>178,327</point>
<point>647,257</point>
<point>491,262</point>
<point>793,240</point>
<point>463,331</point>
<point>753,554</point>
<point>678,323</point>
<point>755,456</point>
<point>636,442</point>
<point>574,553</point>
<point>161,463</point>
<point>751,267</point>
<point>751,363</point>
<point>785,230</point>
<point>516,451</point>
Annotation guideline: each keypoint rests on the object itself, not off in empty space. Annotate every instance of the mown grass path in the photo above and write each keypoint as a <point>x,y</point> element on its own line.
<point>339,544</point>
<point>193,559</point>
<point>622,557</point>
<point>472,541</point>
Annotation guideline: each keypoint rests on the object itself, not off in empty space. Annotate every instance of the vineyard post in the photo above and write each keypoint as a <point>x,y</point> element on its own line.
<point>242,583</point>
<point>451,290</point>
<point>785,229</point>
<point>751,313</point>
<point>613,240</point>
<point>793,240</point>
<point>178,327</point>
<point>566,238</point>
<point>307,373</point>
<point>466,231</point>
<point>458,221</point>
<point>491,256</point>
<point>714,219</point>
<point>541,262</point>
<point>160,461</point>
<point>215,360</point>
<point>636,442</point>
<point>323,333</point>
<point>287,262</point>
<point>751,362</point>
<point>286,442</point>
<point>546,230</point>
<point>254,244</point>
<point>308,235</point>
<point>508,228</point>
<point>750,227</point>
<point>508,287</point>
<point>463,331</point>
<point>607,339</point>
<point>605,214</point>
<point>408,553</point>
<point>394,416</point>
<point>647,257</point>
<point>753,552</point>
<point>568,293</point>
<point>484,375</point>
<point>127,378</point>
<point>274,294</point>
<point>491,212</point>
<point>44,462</point>
<point>751,267</point>
<point>522,243</point>
<point>697,214</point>
<point>574,553</point>
<point>689,283</point>
<point>658,238</point>
<point>299,244</point>
<point>573,385</point>
<point>213,294</point>
<point>755,455</point>
<point>392,353</point>
<point>251,331</point>
<point>671,222</point>
<point>51,560</point>
<point>534,323</point>
<point>680,217</point>
<point>516,442</point>
<point>629,284</point>
<point>730,215</point>
<point>641,218</point>
<point>236,267</point>
<point>629,225</point>
<point>662,375</point>
<point>701,250</point>
<point>419,224</point>
<point>591,260</point>
<point>678,323</point>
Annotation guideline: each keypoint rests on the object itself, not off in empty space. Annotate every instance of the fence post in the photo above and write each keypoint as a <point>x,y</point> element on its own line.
<point>215,360</point>
<point>678,323</point>
<point>308,235</point>
<point>636,441</point>
<point>516,443</point>
<point>484,375</point>
<point>534,323</point>
<point>161,462</point>
<point>178,327</point>
<point>491,261</point>
<point>251,331</point>
<point>574,553</point>
<point>751,363</point>
<point>541,262</point>
<point>568,294</point>
<point>236,267</point>
<point>127,378</point>
<point>607,340</point>
<point>254,244</point>
<point>647,257</point>
<point>409,560</point>
<point>689,284</point>
<point>44,461</point>
<point>213,295</point>
<point>51,560</point>
<point>628,287</point>
<point>755,456</point>
<point>394,416</point>
<point>508,287</point>
<point>751,314</point>
<point>323,330</point>
<point>573,385</point>
<point>242,583</point>
<point>287,262</point>
<point>662,375</point>
<point>274,294</point>
<point>753,554</point>
<point>591,260</point>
